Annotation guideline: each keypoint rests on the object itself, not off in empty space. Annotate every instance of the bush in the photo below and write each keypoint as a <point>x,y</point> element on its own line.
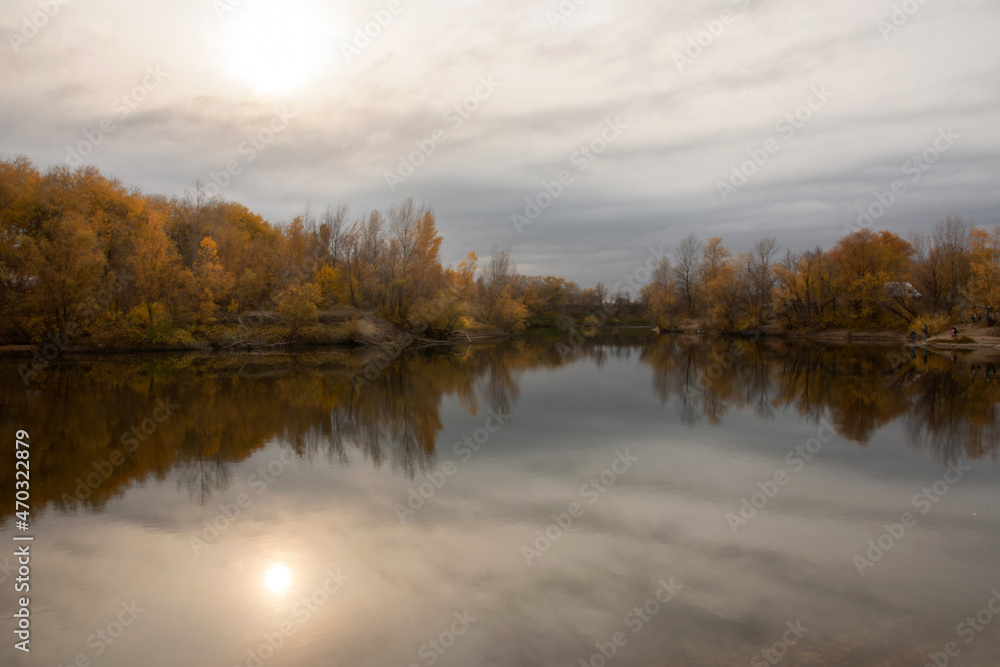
<point>298,305</point>
<point>935,324</point>
<point>548,319</point>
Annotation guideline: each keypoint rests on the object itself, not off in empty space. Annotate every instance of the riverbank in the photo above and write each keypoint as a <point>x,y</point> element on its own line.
<point>260,332</point>
<point>355,330</point>
<point>970,336</point>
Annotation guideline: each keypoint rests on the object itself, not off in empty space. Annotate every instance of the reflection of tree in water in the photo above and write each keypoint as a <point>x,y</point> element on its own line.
<point>499,385</point>
<point>231,407</point>
<point>949,406</point>
<point>201,475</point>
<point>954,412</point>
<point>708,378</point>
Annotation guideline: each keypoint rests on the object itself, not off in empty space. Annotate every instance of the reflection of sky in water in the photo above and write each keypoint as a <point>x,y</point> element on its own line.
<point>665,517</point>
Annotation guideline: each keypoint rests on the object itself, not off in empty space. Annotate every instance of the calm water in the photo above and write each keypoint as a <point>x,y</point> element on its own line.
<point>264,510</point>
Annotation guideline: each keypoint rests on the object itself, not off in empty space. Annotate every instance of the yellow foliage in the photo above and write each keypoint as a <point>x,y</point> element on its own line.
<point>331,286</point>
<point>298,304</point>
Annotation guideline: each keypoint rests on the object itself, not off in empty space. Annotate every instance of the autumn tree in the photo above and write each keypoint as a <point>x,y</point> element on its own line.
<point>865,261</point>
<point>687,272</point>
<point>298,305</point>
<point>761,279</point>
<point>66,265</point>
<point>951,240</point>
<point>497,303</point>
<point>984,267</point>
<point>153,263</point>
<point>212,279</point>
<point>805,294</point>
<point>660,294</point>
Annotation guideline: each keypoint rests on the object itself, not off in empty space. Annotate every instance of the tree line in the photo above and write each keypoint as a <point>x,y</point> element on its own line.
<point>867,280</point>
<point>82,255</point>
<point>84,259</point>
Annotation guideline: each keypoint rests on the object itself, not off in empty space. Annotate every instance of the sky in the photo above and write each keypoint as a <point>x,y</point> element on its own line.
<point>582,134</point>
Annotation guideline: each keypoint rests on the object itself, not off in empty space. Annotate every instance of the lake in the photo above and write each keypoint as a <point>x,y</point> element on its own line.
<point>621,499</point>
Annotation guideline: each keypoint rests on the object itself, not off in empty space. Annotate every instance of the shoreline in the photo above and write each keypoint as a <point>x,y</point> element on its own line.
<point>982,337</point>
<point>389,336</point>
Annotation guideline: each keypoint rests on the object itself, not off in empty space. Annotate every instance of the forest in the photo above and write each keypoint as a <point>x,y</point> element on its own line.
<point>83,257</point>
<point>869,280</point>
<point>85,260</point>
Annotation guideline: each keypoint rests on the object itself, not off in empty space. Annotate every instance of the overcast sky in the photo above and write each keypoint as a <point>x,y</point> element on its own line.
<point>668,96</point>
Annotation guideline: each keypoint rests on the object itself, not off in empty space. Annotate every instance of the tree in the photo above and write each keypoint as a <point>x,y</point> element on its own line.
<point>330,284</point>
<point>927,271</point>
<point>984,267</point>
<point>714,258</point>
<point>951,239</point>
<point>332,233</point>
<point>152,263</point>
<point>64,265</point>
<point>298,305</point>
<point>687,271</point>
<point>425,264</point>
<point>212,280</point>
<point>760,265</point>
<point>660,295</point>
<point>498,305</point>
<point>804,294</point>
<point>865,261</point>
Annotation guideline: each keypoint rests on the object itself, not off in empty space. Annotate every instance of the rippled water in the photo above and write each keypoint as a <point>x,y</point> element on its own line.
<point>662,501</point>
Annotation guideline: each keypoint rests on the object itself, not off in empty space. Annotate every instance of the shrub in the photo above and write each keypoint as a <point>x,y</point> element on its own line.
<point>298,305</point>
<point>935,324</point>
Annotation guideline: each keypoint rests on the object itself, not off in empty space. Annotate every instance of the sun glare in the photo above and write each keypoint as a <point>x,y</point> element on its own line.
<point>278,578</point>
<point>275,47</point>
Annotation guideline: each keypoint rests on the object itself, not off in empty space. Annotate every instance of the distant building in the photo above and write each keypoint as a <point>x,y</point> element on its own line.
<point>902,290</point>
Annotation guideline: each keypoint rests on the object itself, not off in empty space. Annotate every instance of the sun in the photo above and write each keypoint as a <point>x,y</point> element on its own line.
<point>278,578</point>
<point>275,47</point>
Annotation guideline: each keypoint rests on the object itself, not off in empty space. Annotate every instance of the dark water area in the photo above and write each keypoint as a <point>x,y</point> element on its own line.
<point>620,500</point>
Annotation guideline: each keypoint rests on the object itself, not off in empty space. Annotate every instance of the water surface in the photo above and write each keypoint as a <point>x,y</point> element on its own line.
<point>514,504</point>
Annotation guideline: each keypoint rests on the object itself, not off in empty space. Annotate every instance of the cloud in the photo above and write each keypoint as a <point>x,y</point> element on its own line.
<point>559,82</point>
